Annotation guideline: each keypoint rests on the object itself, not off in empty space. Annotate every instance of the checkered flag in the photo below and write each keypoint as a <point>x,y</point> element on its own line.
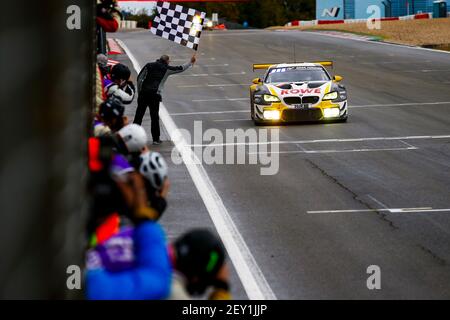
<point>178,24</point>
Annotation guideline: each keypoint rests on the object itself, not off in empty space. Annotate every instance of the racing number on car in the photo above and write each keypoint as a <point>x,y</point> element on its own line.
<point>303,106</point>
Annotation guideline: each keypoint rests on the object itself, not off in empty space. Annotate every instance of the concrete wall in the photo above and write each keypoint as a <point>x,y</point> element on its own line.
<point>47,95</point>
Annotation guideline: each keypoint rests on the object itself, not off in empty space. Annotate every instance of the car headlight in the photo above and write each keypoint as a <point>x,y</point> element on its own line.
<point>331,112</point>
<point>270,98</point>
<point>272,114</point>
<point>330,96</point>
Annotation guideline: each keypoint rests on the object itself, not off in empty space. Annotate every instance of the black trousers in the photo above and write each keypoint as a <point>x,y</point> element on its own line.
<point>150,100</point>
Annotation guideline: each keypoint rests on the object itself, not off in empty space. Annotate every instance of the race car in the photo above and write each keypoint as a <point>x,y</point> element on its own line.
<point>296,92</point>
<point>208,24</point>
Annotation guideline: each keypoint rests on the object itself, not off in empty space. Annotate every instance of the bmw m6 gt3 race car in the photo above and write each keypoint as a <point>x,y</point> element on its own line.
<point>295,92</point>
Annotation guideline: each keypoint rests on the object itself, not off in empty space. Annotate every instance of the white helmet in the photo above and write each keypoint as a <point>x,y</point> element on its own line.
<point>134,137</point>
<point>154,168</point>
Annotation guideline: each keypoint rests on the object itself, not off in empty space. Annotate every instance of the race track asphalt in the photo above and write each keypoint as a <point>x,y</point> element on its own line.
<point>394,152</point>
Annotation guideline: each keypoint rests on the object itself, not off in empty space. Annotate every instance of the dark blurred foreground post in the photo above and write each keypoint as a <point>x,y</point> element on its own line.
<point>47,78</point>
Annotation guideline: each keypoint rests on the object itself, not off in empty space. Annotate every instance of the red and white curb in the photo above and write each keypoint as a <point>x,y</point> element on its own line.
<point>112,63</point>
<point>320,22</point>
<point>114,48</point>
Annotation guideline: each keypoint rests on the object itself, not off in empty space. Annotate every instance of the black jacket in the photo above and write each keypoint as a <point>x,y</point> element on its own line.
<point>153,75</point>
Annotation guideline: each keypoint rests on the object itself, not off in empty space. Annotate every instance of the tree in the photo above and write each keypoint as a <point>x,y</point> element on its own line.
<point>299,9</point>
<point>259,13</point>
<point>142,17</point>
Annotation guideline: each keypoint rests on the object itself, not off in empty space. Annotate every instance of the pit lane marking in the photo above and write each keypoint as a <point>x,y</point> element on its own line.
<point>380,43</point>
<point>390,210</point>
<point>303,150</point>
<point>229,120</point>
<point>187,59</point>
<point>335,151</point>
<point>213,85</point>
<point>424,70</point>
<point>350,107</point>
<point>220,99</point>
<point>249,272</point>
<point>213,65</point>
<point>401,104</point>
<point>208,112</point>
<point>326,140</point>
<point>209,74</point>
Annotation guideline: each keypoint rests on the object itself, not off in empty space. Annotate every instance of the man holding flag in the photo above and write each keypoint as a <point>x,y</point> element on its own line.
<point>178,24</point>
<point>151,82</point>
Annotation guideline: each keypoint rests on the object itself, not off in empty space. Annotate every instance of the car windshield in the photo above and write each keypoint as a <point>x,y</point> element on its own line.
<point>297,74</point>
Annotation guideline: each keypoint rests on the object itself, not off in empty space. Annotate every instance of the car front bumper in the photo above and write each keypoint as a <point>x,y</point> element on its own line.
<point>324,111</point>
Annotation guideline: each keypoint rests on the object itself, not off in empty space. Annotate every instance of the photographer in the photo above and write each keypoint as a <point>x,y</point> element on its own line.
<point>108,20</point>
<point>119,85</point>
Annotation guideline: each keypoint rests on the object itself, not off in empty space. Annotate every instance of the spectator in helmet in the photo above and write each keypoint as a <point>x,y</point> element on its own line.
<point>118,188</point>
<point>110,117</point>
<point>133,140</point>
<point>102,62</point>
<point>130,261</point>
<point>119,85</point>
<point>153,168</point>
<point>198,259</point>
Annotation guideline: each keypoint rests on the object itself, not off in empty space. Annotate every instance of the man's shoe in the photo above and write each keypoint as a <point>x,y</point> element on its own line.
<point>157,142</point>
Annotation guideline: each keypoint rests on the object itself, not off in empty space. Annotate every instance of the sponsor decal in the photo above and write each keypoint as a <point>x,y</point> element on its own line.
<point>300,91</point>
<point>332,12</point>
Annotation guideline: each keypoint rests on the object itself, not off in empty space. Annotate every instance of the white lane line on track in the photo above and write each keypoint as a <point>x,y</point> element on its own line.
<point>350,107</point>
<point>402,104</point>
<point>220,99</point>
<point>382,43</point>
<point>213,85</point>
<point>187,59</point>
<point>409,146</point>
<point>251,276</point>
<point>325,141</point>
<point>213,65</point>
<point>391,210</point>
<point>335,151</point>
<point>230,120</point>
<point>424,70</point>
<point>209,74</point>
<point>208,112</point>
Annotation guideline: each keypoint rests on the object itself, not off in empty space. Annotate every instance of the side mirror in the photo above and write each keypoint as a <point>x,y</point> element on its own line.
<point>257,81</point>
<point>337,78</point>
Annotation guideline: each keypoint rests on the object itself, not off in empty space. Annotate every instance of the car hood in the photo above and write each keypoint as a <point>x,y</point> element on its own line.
<point>299,89</point>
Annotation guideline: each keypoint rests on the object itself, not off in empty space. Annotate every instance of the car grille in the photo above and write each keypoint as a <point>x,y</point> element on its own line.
<point>301,115</point>
<point>299,100</point>
<point>312,100</point>
<point>293,100</point>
